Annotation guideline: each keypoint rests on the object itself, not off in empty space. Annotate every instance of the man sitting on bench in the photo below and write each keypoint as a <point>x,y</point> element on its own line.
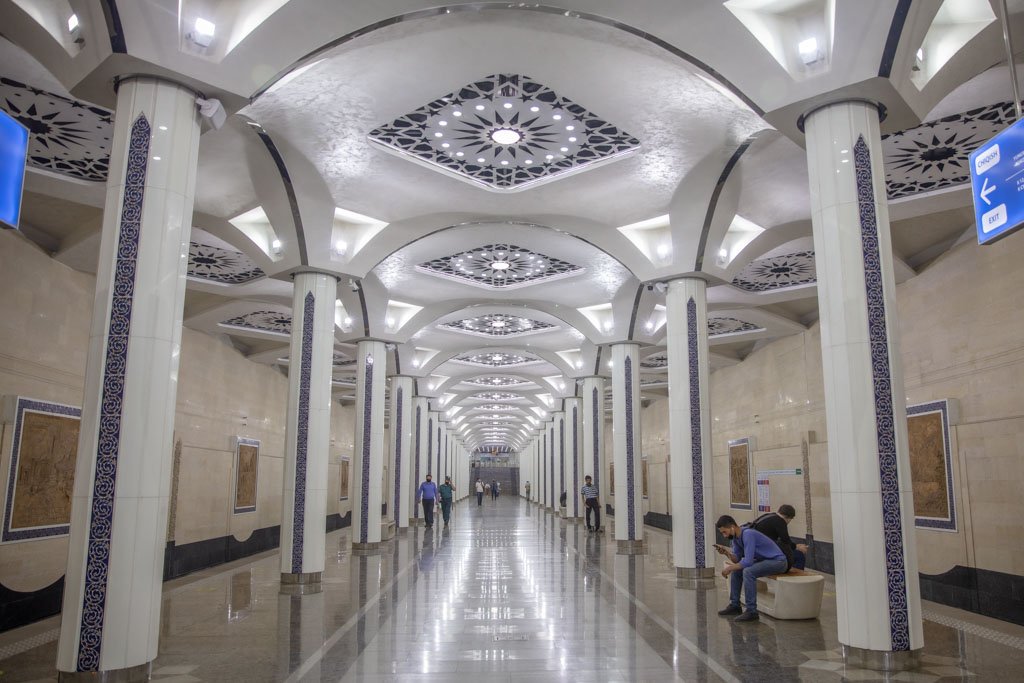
<point>753,555</point>
<point>774,526</point>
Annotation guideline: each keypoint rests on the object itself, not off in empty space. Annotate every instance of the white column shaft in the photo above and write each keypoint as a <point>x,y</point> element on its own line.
<point>629,514</point>
<point>369,451</point>
<point>574,456</point>
<point>402,435</point>
<point>421,464</point>
<point>593,462</point>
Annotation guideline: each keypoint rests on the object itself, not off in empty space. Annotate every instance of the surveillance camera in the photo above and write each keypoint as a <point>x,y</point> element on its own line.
<point>353,285</point>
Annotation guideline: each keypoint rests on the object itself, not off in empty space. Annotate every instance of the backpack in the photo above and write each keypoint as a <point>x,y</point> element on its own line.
<point>787,551</point>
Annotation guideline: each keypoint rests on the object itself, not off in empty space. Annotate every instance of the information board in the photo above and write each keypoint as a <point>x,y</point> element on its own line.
<point>997,182</point>
<point>13,153</point>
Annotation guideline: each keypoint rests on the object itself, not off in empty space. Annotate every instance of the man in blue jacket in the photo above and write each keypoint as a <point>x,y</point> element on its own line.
<point>753,555</point>
<point>427,493</point>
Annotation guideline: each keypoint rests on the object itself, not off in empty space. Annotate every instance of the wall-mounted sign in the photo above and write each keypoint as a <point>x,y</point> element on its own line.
<point>13,153</point>
<point>997,180</point>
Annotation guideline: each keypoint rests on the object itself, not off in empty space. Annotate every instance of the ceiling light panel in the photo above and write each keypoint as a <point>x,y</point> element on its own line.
<point>262,321</point>
<point>223,266</point>
<point>498,325</point>
<point>496,381</point>
<point>777,272</point>
<point>495,360</point>
<point>504,133</point>
<point>496,396</point>
<point>500,266</point>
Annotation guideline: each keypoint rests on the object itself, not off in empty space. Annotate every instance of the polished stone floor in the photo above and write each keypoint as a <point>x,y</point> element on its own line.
<point>507,593</point>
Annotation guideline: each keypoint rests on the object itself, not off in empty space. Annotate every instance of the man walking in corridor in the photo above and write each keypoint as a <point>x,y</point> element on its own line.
<point>479,493</point>
<point>427,493</point>
<point>447,492</point>
<point>589,493</point>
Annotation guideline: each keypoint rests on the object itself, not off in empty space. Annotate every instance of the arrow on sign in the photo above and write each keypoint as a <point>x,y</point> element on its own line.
<point>986,190</point>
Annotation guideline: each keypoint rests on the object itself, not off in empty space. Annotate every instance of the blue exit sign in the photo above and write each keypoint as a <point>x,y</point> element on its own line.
<point>13,152</point>
<point>997,181</point>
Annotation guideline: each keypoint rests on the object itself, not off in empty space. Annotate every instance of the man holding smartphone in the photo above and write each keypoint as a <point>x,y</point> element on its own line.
<point>752,556</point>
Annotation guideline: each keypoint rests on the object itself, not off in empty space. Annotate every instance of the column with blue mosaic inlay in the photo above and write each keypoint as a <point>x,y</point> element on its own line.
<point>421,465</point>
<point>690,433</point>
<point>402,435</point>
<point>877,592</point>
<point>112,590</point>
<point>574,457</point>
<point>368,456</point>
<point>307,430</point>
<point>627,453</point>
<point>593,459</point>
<point>558,441</point>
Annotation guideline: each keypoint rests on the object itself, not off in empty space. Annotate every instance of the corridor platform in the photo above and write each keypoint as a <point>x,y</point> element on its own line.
<point>507,593</point>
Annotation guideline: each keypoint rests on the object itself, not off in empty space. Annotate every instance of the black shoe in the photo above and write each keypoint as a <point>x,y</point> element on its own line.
<point>747,616</point>
<point>730,610</point>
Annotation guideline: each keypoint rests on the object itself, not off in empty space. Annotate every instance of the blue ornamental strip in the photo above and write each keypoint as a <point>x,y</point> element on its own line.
<point>302,434</point>
<point>575,462</point>
<point>597,443</point>
<point>364,479</point>
<point>398,456</point>
<point>630,483</point>
<point>101,518</point>
<point>696,444</point>
<point>416,471</point>
<point>892,525</point>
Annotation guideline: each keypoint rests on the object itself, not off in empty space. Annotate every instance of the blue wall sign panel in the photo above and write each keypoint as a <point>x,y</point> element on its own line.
<point>997,180</point>
<point>13,152</point>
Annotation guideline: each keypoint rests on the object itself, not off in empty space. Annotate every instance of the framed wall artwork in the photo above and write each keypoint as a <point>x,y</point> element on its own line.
<point>611,478</point>
<point>41,479</point>
<point>644,477</point>
<point>931,463</point>
<point>740,495</point>
<point>247,463</point>
<point>343,475</point>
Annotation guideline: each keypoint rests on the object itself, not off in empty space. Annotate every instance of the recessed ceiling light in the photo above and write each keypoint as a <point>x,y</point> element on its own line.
<point>557,117</point>
<point>479,107</point>
<point>572,139</point>
<point>528,161</point>
<point>480,160</point>
<point>549,157</point>
<point>438,135</point>
<point>445,145</point>
<point>563,149</point>
<point>506,136</point>
<point>504,162</point>
<point>460,154</point>
<point>500,265</point>
<point>73,23</point>
<point>456,113</point>
<point>497,324</point>
<point>507,105</point>
<point>535,109</point>
<point>567,127</point>
<point>442,123</point>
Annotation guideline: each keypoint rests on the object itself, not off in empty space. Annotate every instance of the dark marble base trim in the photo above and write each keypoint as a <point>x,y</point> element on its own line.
<point>133,674</point>
<point>993,594</point>
<point>18,609</point>
<point>658,520</point>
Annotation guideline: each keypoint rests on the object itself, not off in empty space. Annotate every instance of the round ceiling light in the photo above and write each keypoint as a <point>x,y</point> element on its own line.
<point>497,324</point>
<point>506,136</point>
<point>500,265</point>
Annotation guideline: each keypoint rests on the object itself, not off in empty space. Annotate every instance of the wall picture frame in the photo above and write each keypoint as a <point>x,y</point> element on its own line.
<point>344,474</point>
<point>741,496</point>
<point>247,465</point>
<point>931,463</point>
<point>41,476</point>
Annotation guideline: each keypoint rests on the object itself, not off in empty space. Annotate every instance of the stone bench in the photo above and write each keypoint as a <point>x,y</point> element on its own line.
<point>793,595</point>
<point>387,530</point>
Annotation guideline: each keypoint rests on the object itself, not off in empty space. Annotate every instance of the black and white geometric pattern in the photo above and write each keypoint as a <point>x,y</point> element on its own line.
<point>500,266</point>
<point>725,325</point>
<point>497,359</point>
<point>206,262</point>
<point>504,132</point>
<point>66,136</point>
<point>264,321</point>
<point>302,436</point>
<point>777,272</point>
<point>495,407</point>
<point>497,325</point>
<point>496,396</point>
<point>658,360</point>
<point>496,381</point>
<point>935,154</point>
<point>696,434</point>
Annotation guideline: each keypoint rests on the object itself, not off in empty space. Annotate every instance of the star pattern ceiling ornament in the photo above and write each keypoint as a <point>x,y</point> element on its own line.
<point>725,325</point>
<point>497,325</point>
<point>496,396</point>
<point>497,359</point>
<point>225,266</point>
<point>777,272</point>
<point>500,266</point>
<point>936,153</point>
<point>67,136</point>
<point>495,407</point>
<point>658,360</point>
<point>262,321</point>
<point>496,381</point>
<point>505,133</point>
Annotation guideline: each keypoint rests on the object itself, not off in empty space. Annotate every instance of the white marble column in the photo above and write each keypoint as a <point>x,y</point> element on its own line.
<point>552,464</point>
<point>112,590</point>
<point>560,469</point>
<point>369,451</point>
<point>629,513</point>
<point>307,429</point>
<point>877,591</point>
<point>690,433</point>
<point>574,456</point>
<point>421,464</point>
<point>402,435</point>
<point>592,459</point>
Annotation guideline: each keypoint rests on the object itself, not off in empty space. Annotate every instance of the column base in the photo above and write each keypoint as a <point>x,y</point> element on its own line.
<point>629,547</point>
<point>371,548</point>
<point>301,584</point>
<point>133,674</point>
<point>693,578</point>
<point>881,660</point>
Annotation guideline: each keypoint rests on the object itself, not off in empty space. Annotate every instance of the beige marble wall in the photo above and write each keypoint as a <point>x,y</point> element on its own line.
<point>45,315</point>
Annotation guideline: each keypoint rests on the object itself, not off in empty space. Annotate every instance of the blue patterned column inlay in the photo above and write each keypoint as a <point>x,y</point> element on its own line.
<point>398,454</point>
<point>430,445</point>
<point>630,483</point>
<point>696,438</point>
<point>561,454</point>
<point>302,434</point>
<point>575,462</point>
<point>101,517</point>
<point>597,443</point>
<point>364,484</point>
<point>416,471</point>
<point>878,336</point>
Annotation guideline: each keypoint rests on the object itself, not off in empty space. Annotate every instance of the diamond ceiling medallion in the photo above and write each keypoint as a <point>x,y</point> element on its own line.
<point>223,266</point>
<point>497,359</point>
<point>504,133</point>
<point>776,272</point>
<point>494,407</point>
<point>500,266</point>
<point>262,321</point>
<point>724,325</point>
<point>496,396</point>
<point>659,360</point>
<point>495,381</point>
<point>497,325</point>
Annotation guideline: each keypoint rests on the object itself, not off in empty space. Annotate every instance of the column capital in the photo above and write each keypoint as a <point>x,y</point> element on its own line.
<point>306,270</point>
<point>801,120</point>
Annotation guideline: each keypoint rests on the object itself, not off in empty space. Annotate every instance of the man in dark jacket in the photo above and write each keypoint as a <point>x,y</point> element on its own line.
<point>774,525</point>
<point>447,492</point>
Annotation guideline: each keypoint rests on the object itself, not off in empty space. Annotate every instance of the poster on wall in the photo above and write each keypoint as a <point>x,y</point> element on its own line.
<point>343,473</point>
<point>739,474</point>
<point>643,476</point>
<point>763,496</point>
<point>41,479</point>
<point>611,479</point>
<point>247,462</point>
<point>931,463</point>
